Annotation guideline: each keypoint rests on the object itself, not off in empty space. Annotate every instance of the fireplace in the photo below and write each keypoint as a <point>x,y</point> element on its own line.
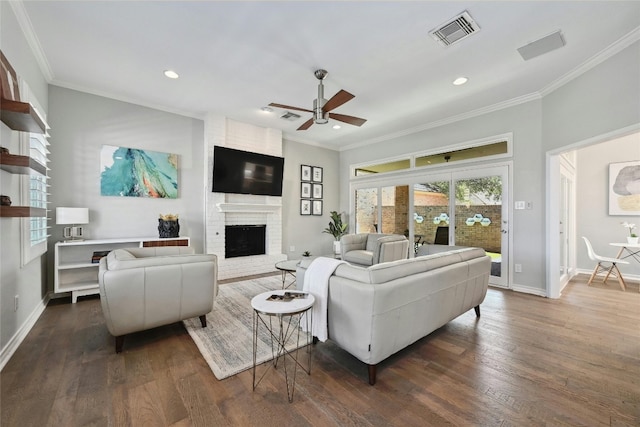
<point>244,240</point>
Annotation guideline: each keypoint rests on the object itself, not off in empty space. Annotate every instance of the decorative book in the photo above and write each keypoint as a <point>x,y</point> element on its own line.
<point>287,296</point>
<point>95,258</point>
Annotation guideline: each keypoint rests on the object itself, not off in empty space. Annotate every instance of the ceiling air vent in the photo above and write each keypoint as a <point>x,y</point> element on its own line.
<point>288,115</point>
<point>461,27</point>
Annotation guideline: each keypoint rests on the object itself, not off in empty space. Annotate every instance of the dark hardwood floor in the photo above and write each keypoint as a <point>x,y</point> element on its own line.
<point>527,361</point>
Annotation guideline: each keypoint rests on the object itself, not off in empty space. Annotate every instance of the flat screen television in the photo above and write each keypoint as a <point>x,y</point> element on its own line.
<point>243,172</point>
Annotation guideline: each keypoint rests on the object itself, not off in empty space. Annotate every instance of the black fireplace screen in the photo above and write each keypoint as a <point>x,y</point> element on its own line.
<point>244,240</point>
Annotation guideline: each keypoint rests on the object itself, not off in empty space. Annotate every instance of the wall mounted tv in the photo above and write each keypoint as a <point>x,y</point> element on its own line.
<point>243,172</point>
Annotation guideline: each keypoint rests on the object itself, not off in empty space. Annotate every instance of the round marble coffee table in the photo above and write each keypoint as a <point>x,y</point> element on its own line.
<point>295,307</point>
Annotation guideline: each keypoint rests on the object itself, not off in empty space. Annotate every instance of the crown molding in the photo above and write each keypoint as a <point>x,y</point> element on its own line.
<point>292,138</point>
<point>618,46</point>
<point>134,101</point>
<point>621,44</point>
<point>449,120</point>
<point>27,29</point>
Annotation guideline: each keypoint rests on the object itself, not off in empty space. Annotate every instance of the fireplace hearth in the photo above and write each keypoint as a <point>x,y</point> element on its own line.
<point>244,240</point>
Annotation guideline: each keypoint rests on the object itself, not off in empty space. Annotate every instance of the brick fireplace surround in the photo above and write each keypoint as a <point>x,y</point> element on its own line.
<point>241,209</point>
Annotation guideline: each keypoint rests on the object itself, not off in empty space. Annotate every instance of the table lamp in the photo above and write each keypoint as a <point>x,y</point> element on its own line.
<point>72,216</point>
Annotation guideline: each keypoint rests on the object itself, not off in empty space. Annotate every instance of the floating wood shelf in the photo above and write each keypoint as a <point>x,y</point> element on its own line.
<point>21,116</point>
<point>23,165</point>
<point>21,211</point>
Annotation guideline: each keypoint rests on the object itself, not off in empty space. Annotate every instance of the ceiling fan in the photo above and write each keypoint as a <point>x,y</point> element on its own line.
<point>322,107</point>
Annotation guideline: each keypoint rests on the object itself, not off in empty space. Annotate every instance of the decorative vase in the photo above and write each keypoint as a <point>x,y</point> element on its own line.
<point>632,240</point>
<point>336,247</point>
<point>168,228</point>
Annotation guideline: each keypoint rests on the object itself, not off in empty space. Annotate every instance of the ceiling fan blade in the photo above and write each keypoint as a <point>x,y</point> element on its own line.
<point>337,100</point>
<point>289,107</point>
<point>356,121</point>
<point>306,125</point>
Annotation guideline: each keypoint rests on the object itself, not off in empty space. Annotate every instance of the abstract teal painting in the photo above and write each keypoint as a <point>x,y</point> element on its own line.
<point>130,172</point>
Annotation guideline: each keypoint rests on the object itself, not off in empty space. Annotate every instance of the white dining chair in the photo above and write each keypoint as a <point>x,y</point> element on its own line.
<point>604,265</point>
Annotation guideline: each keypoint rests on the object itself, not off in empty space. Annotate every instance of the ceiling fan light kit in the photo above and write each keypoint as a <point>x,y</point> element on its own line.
<point>321,107</point>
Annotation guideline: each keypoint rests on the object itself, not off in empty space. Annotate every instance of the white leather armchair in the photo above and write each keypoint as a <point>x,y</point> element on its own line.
<point>373,248</point>
<point>142,288</point>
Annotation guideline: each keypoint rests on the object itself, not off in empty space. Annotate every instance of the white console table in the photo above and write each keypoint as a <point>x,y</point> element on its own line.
<point>74,271</point>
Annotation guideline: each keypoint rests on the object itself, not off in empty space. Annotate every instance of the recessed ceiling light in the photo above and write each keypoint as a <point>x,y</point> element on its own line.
<point>336,126</point>
<point>460,81</point>
<point>267,109</point>
<point>171,74</point>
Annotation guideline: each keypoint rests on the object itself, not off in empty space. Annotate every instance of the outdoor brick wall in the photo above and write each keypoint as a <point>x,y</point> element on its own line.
<point>487,237</point>
<point>395,217</point>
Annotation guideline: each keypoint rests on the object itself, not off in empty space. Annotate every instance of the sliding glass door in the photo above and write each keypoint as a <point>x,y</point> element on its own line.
<point>431,211</point>
<point>481,217</point>
<point>464,208</point>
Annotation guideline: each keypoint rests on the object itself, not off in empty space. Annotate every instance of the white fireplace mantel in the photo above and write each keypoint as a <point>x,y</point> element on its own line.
<point>248,207</point>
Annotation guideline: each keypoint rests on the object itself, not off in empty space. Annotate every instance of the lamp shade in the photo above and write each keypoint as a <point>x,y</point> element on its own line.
<point>72,215</point>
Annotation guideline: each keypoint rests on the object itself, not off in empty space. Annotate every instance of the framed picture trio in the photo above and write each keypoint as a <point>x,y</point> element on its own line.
<point>311,191</point>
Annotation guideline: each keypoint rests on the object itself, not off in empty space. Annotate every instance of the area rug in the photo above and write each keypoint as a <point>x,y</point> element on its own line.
<point>227,341</point>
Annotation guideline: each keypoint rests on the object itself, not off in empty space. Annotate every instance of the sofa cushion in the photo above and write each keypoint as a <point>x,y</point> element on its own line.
<point>116,258</point>
<point>428,249</point>
<point>121,259</point>
<point>372,240</point>
<point>385,272</point>
<point>391,248</point>
<point>359,257</point>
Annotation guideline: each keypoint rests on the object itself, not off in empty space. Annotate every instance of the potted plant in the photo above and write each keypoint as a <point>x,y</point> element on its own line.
<point>632,239</point>
<point>337,229</point>
<point>306,254</point>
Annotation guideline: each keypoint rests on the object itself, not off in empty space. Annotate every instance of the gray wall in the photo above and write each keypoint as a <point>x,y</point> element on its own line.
<point>26,281</point>
<point>593,219</point>
<point>81,124</point>
<point>599,101</point>
<point>528,164</point>
<point>305,232</point>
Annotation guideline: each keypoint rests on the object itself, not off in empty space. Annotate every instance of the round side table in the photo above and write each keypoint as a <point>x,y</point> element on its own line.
<point>281,305</point>
<point>288,268</point>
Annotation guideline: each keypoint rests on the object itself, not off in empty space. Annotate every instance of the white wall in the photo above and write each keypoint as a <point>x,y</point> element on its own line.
<point>26,281</point>
<point>593,219</point>
<point>81,123</point>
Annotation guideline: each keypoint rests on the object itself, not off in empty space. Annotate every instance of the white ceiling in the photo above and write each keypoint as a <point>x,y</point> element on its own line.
<point>235,57</point>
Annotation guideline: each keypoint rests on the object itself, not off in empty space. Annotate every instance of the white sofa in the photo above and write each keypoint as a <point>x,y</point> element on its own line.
<point>142,288</point>
<point>373,248</point>
<point>376,311</point>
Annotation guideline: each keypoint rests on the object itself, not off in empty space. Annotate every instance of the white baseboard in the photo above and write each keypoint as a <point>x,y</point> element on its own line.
<point>632,277</point>
<point>21,333</point>
<point>529,290</point>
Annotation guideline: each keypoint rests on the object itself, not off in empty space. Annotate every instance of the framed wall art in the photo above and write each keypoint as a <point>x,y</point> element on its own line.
<point>316,174</point>
<point>305,173</point>
<point>317,207</point>
<point>305,207</point>
<point>311,190</point>
<point>624,188</point>
<point>305,190</point>
<point>131,172</point>
<point>317,191</point>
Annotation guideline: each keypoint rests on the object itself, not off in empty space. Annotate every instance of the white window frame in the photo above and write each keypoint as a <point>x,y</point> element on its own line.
<point>34,192</point>
<point>505,137</point>
<point>33,248</point>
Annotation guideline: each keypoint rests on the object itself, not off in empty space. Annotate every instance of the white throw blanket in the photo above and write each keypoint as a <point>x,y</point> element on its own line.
<point>316,282</point>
